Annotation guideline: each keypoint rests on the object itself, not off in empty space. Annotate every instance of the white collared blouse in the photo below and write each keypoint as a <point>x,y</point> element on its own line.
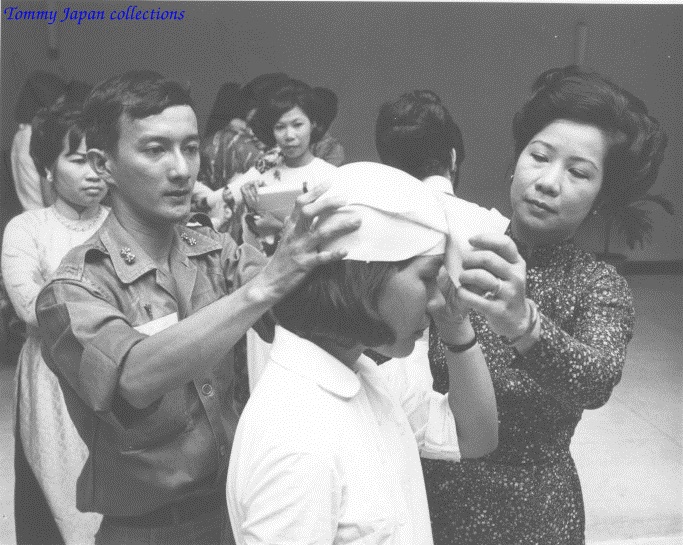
<point>325,454</point>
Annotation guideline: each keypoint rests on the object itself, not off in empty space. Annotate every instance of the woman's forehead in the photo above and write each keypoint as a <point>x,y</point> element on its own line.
<point>292,115</point>
<point>428,262</point>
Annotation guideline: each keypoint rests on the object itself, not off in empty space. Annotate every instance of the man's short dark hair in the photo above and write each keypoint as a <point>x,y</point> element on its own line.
<point>338,305</point>
<point>137,94</point>
<point>416,133</point>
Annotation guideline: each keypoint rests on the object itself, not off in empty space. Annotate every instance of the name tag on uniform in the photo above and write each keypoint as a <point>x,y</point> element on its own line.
<point>150,328</point>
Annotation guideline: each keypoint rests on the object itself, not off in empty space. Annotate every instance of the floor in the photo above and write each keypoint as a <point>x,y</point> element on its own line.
<point>629,453</point>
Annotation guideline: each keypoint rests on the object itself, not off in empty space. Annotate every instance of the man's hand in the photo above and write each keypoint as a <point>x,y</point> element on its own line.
<point>303,235</point>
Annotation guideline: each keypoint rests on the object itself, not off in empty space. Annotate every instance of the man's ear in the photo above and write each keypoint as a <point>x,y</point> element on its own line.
<point>100,162</point>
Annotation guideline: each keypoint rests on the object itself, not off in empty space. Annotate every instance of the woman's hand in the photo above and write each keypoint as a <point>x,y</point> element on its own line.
<point>250,193</point>
<point>202,198</point>
<point>452,318</point>
<point>494,284</point>
<point>267,225</point>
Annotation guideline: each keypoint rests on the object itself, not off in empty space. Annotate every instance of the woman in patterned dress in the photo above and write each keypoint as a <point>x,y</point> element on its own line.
<point>231,148</point>
<point>553,322</point>
<point>48,448</point>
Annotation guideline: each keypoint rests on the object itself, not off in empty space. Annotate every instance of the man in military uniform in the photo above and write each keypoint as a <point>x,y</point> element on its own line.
<point>139,323</point>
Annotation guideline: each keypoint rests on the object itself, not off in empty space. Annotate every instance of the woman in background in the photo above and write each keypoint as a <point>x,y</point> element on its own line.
<point>47,447</point>
<point>291,119</point>
<point>553,322</point>
<point>294,117</point>
<point>231,148</point>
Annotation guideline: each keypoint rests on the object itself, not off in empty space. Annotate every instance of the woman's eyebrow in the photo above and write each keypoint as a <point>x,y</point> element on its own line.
<point>572,157</point>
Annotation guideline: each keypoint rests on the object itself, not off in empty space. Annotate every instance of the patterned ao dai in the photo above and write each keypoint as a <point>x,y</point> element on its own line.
<point>528,491</point>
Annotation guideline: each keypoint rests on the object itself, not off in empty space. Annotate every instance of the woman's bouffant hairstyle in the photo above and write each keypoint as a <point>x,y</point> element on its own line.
<point>137,94</point>
<point>225,108</point>
<point>636,140</point>
<point>319,104</point>
<point>49,128</point>
<point>39,91</point>
<point>235,102</point>
<point>416,134</point>
<point>337,305</point>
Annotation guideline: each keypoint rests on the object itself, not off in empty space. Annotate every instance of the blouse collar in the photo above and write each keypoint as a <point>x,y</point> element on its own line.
<point>541,255</point>
<point>307,359</point>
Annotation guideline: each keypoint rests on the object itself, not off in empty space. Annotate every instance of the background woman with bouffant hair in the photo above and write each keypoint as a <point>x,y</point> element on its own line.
<point>290,120</point>
<point>231,148</point>
<point>553,321</point>
<point>49,453</point>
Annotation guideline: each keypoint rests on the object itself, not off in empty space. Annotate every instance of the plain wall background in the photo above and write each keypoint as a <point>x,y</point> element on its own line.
<point>481,58</point>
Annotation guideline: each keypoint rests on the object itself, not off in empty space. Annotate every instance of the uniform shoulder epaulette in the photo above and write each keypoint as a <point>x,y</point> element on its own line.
<point>73,264</point>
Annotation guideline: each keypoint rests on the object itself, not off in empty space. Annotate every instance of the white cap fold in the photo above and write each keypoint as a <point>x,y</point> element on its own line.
<point>400,217</point>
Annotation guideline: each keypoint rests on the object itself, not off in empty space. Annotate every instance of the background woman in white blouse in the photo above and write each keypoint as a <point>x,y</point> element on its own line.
<point>34,243</point>
<point>290,120</point>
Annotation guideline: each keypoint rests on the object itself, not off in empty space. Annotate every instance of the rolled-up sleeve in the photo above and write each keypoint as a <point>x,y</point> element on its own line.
<point>428,412</point>
<point>241,263</point>
<point>85,340</point>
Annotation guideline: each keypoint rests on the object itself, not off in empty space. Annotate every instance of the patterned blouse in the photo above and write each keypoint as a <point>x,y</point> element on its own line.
<point>235,149</point>
<point>528,491</point>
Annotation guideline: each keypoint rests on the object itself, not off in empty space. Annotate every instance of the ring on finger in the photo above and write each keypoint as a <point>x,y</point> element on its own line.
<point>490,295</point>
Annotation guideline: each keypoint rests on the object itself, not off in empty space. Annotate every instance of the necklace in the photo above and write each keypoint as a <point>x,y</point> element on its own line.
<point>78,225</point>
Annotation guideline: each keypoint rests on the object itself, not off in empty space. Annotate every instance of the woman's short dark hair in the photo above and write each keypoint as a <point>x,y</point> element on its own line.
<point>49,128</point>
<point>319,105</point>
<point>636,140</point>
<point>338,305</point>
<point>258,89</point>
<point>416,133</point>
<point>137,94</point>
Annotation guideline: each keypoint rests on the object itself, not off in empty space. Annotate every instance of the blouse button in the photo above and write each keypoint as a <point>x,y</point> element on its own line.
<point>222,450</point>
<point>207,389</point>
